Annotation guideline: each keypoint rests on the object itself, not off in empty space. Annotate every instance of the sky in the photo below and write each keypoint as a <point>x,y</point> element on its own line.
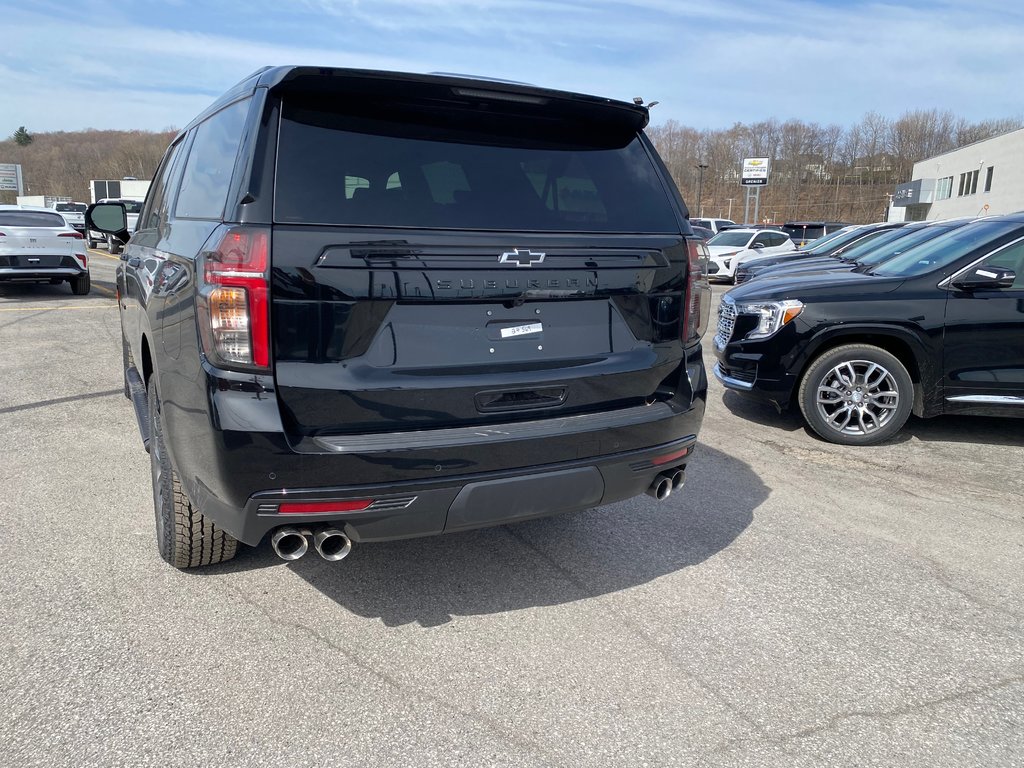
<point>710,63</point>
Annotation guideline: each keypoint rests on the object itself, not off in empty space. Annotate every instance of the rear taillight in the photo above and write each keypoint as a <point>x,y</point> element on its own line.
<point>698,292</point>
<point>233,301</point>
<point>75,235</point>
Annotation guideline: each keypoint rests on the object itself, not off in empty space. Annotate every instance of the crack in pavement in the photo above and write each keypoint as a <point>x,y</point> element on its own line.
<point>507,734</point>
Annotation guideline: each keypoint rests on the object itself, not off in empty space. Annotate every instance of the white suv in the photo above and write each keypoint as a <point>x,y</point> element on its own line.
<point>733,246</point>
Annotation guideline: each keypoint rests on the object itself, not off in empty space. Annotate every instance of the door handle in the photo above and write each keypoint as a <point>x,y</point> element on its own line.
<point>135,261</point>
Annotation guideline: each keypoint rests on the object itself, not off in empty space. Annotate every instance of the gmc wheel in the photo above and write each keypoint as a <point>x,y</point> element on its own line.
<point>856,394</point>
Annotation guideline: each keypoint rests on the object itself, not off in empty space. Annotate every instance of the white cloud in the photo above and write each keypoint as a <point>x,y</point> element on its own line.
<point>710,64</point>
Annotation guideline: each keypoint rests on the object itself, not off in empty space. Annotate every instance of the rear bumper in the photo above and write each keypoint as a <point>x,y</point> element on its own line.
<point>41,273</point>
<point>238,464</point>
<point>413,509</point>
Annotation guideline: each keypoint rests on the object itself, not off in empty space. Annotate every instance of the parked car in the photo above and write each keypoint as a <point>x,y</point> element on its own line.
<point>835,244</point>
<point>73,213</point>
<point>935,330</point>
<point>715,225</point>
<point>702,232</point>
<point>132,208</point>
<point>865,253</point>
<point>729,248</point>
<point>803,232</point>
<point>37,245</point>
<point>425,325</point>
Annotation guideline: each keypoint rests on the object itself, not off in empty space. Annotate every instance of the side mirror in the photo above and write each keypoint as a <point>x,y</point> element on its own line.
<point>982,277</point>
<point>108,218</point>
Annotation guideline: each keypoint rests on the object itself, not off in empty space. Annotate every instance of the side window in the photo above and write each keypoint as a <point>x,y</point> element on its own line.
<point>761,239</point>
<point>158,202</point>
<point>1011,257</point>
<point>211,161</point>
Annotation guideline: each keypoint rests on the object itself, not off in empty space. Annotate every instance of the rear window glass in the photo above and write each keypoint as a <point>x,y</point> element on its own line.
<point>31,219</point>
<point>336,168</point>
<point>730,238</point>
<point>70,207</point>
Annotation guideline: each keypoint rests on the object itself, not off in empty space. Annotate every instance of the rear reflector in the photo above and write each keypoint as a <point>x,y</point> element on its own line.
<point>321,507</point>
<point>669,457</point>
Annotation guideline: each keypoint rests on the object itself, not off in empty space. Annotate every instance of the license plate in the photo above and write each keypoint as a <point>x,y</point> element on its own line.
<point>521,330</point>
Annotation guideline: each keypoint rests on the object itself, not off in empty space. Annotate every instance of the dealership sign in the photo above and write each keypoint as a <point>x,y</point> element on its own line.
<point>755,172</point>
<point>10,178</point>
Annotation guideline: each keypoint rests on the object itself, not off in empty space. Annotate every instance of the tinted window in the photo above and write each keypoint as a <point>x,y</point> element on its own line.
<point>31,219</point>
<point>870,242</point>
<point>731,239</point>
<point>832,243</point>
<point>1011,257</point>
<point>876,255</point>
<point>336,168</point>
<point>945,249</point>
<point>159,198</point>
<point>70,207</point>
<point>211,161</point>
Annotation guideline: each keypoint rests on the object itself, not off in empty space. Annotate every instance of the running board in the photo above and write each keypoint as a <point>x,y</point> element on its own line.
<point>140,401</point>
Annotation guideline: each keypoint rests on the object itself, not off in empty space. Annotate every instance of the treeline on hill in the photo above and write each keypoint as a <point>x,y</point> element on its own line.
<point>817,171</point>
<point>62,163</point>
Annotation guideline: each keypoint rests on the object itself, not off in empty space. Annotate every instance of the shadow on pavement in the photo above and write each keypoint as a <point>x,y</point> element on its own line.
<point>762,413</point>
<point>541,562</point>
<point>11,294</point>
<point>987,430</point>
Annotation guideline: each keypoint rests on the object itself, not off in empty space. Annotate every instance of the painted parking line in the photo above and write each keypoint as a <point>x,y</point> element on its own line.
<point>104,254</point>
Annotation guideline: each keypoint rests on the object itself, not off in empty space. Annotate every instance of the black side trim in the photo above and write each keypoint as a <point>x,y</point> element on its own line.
<point>140,400</point>
<point>532,430</point>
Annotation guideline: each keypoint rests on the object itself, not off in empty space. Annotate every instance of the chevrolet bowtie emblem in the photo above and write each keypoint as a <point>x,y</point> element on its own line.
<point>520,258</point>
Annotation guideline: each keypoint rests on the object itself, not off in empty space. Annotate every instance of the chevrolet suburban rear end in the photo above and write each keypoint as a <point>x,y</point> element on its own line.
<point>362,306</point>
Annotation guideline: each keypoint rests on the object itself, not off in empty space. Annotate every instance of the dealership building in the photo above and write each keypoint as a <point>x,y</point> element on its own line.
<point>982,179</point>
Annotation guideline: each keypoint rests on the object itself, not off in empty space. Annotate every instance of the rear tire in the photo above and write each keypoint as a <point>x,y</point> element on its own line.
<point>856,394</point>
<point>90,243</point>
<point>184,536</point>
<point>113,245</point>
<point>80,285</point>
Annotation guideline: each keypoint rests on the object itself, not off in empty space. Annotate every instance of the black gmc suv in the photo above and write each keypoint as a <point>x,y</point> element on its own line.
<point>362,306</point>
<point>937,329</point>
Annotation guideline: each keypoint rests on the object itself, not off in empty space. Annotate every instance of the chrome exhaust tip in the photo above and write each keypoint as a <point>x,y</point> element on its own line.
<point>289,543</point>
<point>332,544</point>
<point>660,488</point>
<point>678,478</point>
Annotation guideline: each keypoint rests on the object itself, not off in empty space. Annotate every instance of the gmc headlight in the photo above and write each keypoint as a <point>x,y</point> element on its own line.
<point>771,315</point>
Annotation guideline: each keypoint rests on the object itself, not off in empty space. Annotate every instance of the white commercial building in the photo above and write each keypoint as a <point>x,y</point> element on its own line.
<point>982,179</point>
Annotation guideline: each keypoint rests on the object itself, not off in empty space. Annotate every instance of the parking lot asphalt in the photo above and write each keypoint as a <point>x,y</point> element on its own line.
<point>797,604</point>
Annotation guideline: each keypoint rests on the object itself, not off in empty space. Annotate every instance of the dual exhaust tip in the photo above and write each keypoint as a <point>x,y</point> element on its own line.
<point>291,543</point>
<point>666,482</point>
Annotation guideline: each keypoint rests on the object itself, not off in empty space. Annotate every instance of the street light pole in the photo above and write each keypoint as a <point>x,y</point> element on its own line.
<point>700,188</point>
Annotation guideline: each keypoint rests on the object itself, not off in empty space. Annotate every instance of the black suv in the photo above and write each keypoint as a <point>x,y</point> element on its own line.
<point>362,306</point>
<point>937,329</point>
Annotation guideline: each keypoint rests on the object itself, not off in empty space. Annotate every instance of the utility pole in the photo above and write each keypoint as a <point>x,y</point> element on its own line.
<point>729,216</point>
<point>700,188</point>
